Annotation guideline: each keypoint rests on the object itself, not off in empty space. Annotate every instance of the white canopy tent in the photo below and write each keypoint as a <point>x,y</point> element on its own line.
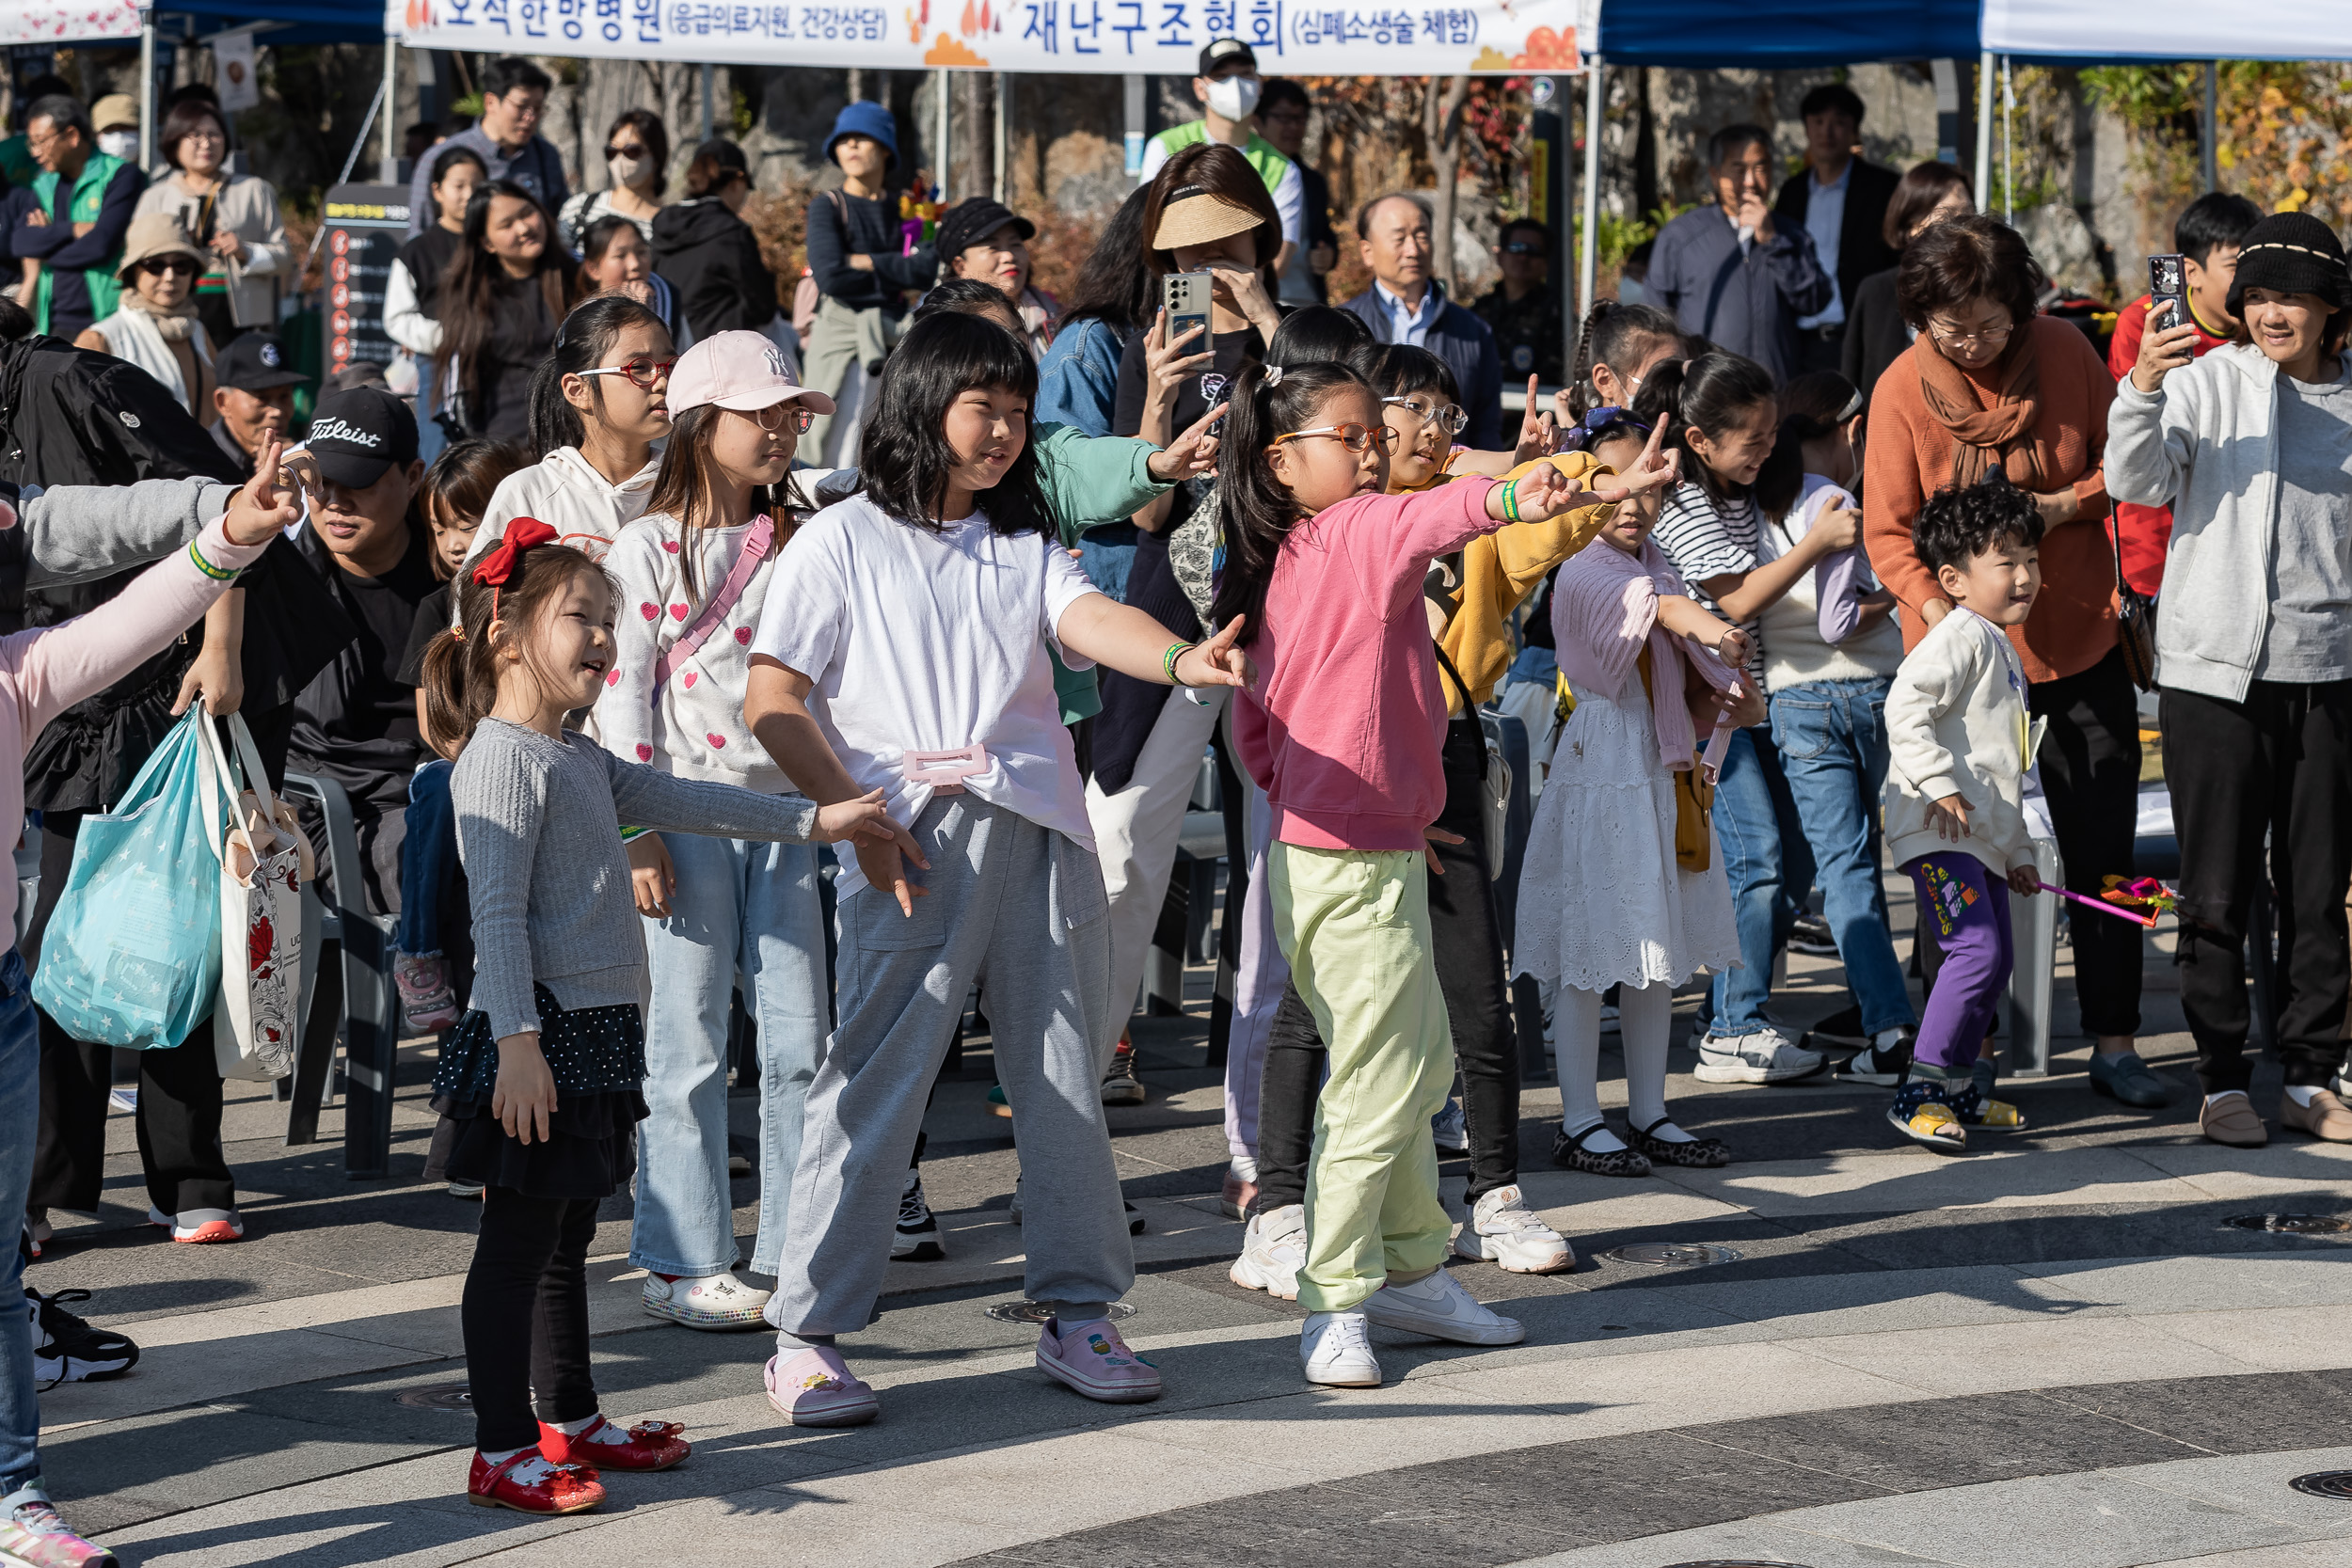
<point>2170,29</point>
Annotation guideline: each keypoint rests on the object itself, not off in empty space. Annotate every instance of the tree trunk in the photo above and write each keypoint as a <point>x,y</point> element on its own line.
<point>1441,127</point>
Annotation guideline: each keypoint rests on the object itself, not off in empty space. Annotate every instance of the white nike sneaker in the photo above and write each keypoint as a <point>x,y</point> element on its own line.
<point>1336,1351</point>
<point>1504,1230</point>
<point>719,1302</point>
<point>1272,1250</point>
<point>1764,1056</point>
<point>1439,1308</point>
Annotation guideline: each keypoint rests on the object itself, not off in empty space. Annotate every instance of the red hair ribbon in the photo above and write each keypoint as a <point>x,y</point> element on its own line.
<point>501,565</point>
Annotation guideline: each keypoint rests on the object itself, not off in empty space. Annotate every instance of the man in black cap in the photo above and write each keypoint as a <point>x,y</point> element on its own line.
<point>356,722</point>
<point>1228,89</point>
<point>253,394</point>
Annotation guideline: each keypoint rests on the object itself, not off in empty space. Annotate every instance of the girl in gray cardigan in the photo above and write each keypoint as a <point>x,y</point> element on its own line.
<point>544,1075</point>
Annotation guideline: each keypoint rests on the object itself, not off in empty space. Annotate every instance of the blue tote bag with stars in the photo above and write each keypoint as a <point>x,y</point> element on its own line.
<point>131,955</point>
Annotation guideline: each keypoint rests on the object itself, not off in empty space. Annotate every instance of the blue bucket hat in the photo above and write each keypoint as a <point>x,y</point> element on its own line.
<point>864,120</point>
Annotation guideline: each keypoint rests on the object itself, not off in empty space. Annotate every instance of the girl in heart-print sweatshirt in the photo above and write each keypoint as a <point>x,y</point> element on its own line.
<point>691,576</point>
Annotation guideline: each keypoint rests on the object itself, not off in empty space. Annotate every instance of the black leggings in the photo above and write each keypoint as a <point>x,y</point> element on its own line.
<point>1468,942</point>
<point>528,1285</point>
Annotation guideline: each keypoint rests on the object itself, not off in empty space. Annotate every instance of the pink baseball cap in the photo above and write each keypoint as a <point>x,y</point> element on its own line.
<point>742,371</point>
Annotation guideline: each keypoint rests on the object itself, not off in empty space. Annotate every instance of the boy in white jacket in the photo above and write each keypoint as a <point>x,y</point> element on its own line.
<point>1955,816</point>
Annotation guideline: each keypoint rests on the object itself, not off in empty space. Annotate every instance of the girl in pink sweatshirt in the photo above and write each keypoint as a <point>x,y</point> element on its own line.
<point>42,673</point>
<point>1343,732</point>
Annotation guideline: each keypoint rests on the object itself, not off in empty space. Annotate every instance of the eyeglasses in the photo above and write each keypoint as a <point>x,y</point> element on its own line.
<point>624,151</point>
<point>170,266</point>
<point>1448,417</point>
<point>641,372</point>
<point>1523,247</point>
<point>1985,338</point>
<point>1355,437</point>
<point>771,419</point>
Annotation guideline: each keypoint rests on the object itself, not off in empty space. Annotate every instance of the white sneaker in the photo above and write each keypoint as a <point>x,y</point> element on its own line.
<point>1336,1350</point>
<point>719,1301</point>
<point>1763,1056</point>
<point>1504,1230</point>
<point>1439,1308</point>
<point>1272,1250</point>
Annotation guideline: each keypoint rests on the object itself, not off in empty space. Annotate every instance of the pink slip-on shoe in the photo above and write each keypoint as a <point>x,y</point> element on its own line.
<point>815,1388</point>
<point>1096,1362</point>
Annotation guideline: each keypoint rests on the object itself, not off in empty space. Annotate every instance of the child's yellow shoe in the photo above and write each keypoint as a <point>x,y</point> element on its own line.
<point>1993,1116</point>
<point>1933,1123</point>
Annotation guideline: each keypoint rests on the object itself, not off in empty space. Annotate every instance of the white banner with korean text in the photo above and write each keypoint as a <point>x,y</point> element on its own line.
<point>1307,37</point>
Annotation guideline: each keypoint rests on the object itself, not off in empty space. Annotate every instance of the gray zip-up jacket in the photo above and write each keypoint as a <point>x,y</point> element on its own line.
<point>81,532</point>
<point>2206,445</point>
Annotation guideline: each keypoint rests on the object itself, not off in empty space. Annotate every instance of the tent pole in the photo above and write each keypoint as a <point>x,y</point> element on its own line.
<point>709,74</point>
<point>946,128</point>
<point>390,174</point>
<point>2209,134</point>
<point>147,91</point>
<point>1004,132</point>
<point>1984,128</point>
<point>1587,253</point>
<point>2008,167</point>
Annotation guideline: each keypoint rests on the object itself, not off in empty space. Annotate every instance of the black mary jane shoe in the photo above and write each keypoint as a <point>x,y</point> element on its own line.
<point>1697,1154</point>
<point>1569,1153</point>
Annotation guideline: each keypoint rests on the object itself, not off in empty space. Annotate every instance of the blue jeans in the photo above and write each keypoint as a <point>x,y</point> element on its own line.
<point>426,856</point>
<point>1832,738</point>
<point>20,1124</point>
<point>740,908</point>
<point>1770,869</point>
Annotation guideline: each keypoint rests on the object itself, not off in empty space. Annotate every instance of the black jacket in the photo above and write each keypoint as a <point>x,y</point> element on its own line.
<point>1862,247</point>
<point>841,226</point>
<point>68,416</point>
<point>711,257</point>
<point>1875,334</point>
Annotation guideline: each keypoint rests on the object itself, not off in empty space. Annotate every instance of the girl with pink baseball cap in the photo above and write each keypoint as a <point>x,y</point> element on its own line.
<point>692,576</point>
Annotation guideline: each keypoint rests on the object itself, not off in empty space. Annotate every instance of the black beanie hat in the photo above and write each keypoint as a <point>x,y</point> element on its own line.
<point>2291,253</point>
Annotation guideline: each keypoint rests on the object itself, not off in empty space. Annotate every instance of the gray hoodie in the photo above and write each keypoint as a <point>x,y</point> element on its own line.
<point>2206,445</point>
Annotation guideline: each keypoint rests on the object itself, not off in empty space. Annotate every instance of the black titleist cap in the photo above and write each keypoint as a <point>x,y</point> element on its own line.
<point>357,434</point>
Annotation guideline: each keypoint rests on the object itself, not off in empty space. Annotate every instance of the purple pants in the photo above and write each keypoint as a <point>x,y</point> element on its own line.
<point>1967,908</point>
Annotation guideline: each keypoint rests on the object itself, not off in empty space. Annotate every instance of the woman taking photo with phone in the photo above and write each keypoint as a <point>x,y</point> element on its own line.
<point>1208,211</point>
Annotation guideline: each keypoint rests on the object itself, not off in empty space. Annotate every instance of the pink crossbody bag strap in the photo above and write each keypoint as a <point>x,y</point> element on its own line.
<point>756,544</point>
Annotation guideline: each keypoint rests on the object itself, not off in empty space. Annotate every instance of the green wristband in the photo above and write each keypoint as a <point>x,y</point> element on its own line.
<point>1167,659</point>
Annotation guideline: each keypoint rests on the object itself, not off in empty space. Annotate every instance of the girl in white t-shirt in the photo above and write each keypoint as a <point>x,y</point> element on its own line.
<point>690,577</point>
<point>904,644</point>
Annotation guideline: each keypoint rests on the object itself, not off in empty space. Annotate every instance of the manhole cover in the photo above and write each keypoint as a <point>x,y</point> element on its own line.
<point>2291,1225</point>
<point>2326,1483</point>
<point>440,1396</point>
<point>1697,1255</point>
<point>1037,1311</point>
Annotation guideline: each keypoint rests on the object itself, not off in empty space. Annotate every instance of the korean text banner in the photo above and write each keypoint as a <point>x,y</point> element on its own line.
<point>1351,37</point>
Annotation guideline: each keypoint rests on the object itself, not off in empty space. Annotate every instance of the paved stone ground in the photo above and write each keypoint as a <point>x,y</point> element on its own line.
<point>2052,1350</point>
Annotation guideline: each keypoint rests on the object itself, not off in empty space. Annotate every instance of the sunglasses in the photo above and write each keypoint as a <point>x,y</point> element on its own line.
<point>170,266</point>
<point>1523,247</point>
<point>1448,417</point>
<point>1355,437</point>
<point>624,151</point>
<point>641,372</point>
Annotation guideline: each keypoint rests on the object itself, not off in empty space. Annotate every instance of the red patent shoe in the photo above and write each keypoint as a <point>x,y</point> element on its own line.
<point>648,1446</point>
<point>527,1483</point>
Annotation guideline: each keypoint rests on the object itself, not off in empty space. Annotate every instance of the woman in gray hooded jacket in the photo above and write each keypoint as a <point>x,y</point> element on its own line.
<point>2251,447</point>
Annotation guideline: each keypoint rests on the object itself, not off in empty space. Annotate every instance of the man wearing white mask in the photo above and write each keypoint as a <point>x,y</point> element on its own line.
<point>1228,89</point>
<point>116,116</point>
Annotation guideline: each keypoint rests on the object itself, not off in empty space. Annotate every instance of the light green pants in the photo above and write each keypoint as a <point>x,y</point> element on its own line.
<point>1354,926</point>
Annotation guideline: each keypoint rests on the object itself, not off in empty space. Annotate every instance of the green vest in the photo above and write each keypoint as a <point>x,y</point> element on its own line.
<point>90,193</point>
<point>1262,155</point>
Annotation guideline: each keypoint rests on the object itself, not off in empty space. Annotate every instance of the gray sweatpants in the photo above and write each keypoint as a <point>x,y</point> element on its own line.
<point>1020,908</point>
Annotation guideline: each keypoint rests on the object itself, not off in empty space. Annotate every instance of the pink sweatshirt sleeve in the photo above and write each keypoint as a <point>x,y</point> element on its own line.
<point>54,667</point>
<point>1390,540</point>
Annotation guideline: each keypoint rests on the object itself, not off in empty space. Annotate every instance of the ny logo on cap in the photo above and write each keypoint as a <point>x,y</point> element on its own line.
<point>776,367</point>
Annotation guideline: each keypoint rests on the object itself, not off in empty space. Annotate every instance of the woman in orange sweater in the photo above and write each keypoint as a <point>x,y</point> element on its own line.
<point>1989,383</point>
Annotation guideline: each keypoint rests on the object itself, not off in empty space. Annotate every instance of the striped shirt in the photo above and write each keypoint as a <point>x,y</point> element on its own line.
<point>1705,540</point>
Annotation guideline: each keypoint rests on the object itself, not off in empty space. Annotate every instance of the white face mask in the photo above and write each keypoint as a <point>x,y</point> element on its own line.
<point>1234,97</point>
<point>118,144</point>
<point>626,171</point>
